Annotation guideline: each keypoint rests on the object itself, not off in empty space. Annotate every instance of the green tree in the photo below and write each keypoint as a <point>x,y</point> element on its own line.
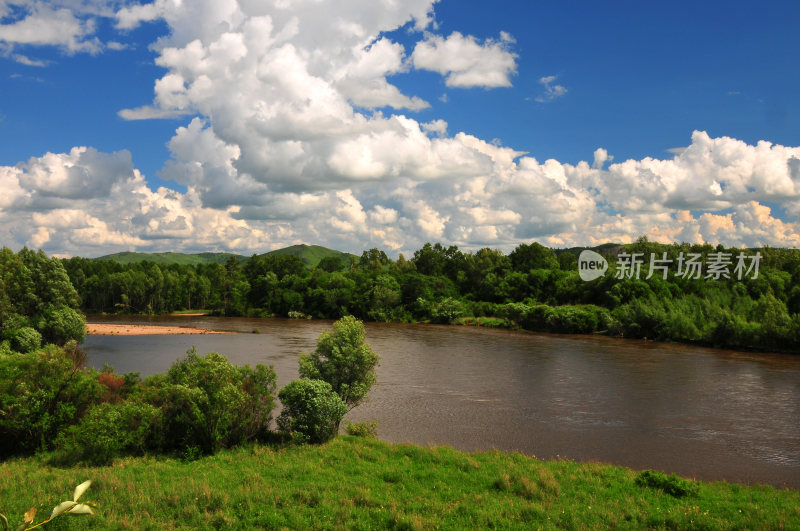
<point>533,256</point>
<point>343,360</point>
<point>331,264</point>
<point>311,411</point>
<point>208,403</point>
<point>373,260</point>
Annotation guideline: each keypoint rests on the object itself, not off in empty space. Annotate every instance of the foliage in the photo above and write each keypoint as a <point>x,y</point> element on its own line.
<point>442,284</point>
<point>108,431</point>
<point>343,360</point>
<point>208,403</point>
<point>311,411</point>
<point>41,394</point>
<point>671,484</point>
<point>71,507</point>
<point>59,325</point>
<point>362,429</point>
<point>37,301</point>
<point>24,339</point>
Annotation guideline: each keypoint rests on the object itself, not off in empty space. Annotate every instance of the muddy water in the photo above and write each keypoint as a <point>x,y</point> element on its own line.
<point>702,413</point>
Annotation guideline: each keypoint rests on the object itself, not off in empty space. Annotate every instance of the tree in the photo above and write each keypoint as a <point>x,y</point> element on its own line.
<point>311,411</point>
<point>331,264</point>
<point>208,403</point>
<point>343,360</point>
<point>533,256</point>
<point>373,260</point>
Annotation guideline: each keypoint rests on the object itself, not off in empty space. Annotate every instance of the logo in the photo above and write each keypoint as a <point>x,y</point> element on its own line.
<point>716,266</point>
<point>591,265</point>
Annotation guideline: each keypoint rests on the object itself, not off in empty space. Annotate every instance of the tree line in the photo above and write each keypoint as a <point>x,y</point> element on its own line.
<point>532,287</point>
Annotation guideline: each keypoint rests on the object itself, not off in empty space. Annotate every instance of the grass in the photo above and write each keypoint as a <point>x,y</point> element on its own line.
<point>357,483</point>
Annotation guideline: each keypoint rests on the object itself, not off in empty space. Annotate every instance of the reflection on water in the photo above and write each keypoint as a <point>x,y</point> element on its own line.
<point>698,412</point>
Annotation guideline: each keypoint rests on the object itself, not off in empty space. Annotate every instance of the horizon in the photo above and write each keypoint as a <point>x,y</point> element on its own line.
<point>247,127</point>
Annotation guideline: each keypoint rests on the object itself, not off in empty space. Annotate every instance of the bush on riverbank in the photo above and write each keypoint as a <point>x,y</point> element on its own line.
<point>48,400</point>
<point>358,483</point>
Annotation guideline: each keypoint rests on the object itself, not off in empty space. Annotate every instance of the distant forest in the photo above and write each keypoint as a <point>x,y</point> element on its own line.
<point>533,287</point>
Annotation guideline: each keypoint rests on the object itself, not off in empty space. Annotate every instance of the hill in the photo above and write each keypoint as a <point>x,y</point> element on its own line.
<point>171,258</point>
<point>310,255</point>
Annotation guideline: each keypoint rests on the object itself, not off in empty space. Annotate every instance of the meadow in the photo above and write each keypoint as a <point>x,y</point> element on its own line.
<point>362,483</point>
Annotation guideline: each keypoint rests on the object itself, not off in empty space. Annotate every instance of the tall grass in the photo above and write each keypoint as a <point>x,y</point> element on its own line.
<point>358,483</point>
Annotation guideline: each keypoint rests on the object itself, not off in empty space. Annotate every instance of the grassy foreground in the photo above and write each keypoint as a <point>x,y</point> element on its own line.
<point>356,483</point>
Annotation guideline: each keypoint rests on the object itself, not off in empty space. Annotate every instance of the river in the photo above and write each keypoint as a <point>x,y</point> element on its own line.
<point>703,413</point>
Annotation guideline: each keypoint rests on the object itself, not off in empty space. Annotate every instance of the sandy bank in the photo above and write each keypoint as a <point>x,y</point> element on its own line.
<point>109,329</point>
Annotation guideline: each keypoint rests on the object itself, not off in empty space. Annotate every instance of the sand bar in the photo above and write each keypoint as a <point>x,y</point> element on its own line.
<point>114,329</point>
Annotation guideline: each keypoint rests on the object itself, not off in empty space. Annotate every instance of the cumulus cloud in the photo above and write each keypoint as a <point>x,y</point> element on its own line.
<point>52,24</point>
<point>466,62</point>
<point>88,202</point>
<point>298,135</point>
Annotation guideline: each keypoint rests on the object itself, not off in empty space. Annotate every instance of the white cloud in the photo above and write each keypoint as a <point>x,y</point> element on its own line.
<point>45,24</point>
<point>88,202</point>
<point>551,91</point>
<point>465,61</point>
<point>27,61</point>
<point>148,112</point>
<point>289,144</point>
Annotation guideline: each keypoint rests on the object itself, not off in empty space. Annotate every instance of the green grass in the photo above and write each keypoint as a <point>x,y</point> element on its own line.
<point>356,483</point>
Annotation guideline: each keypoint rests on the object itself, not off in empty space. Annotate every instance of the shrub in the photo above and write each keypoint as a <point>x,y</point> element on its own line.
<point>571,320</point>
<point>108,431</point>
<point>208,403</point>
<point>311,412</point>
<point>114,385</point>
<point>41,394</point>
<point>25,339</point>
<point>362,429</point>
<point>447,310</point>
<point>673,485</point>
<point>61,324</point>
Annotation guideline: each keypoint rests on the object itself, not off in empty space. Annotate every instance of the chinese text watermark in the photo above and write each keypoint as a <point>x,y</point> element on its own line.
<point>716,266</point>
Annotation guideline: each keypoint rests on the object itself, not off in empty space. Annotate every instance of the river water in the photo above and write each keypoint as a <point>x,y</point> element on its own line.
<point>703,413</point>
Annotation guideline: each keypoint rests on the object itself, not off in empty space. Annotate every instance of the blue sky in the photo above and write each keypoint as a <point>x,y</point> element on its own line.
<point>263,164</point>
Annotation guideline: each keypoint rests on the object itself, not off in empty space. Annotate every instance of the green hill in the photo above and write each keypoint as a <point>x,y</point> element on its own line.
<point>310,255</point>
<point>171,258</point>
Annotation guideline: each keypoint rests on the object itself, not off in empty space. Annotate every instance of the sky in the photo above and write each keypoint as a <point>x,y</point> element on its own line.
<point>251,125</point>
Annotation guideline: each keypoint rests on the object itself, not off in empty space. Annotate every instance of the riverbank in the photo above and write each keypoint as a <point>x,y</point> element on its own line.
<point>113,329</point>
<point>357,483</point>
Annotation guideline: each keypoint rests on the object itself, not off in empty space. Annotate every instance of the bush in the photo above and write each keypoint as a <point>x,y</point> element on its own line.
<point>108,431</point>
<point>61,324</point>
<point>208,403</point>
<point>311,412</point>
<point>362,429</point>
<point>41,394</point>
<point>447,310</point>
<point>673,485</point>
<point>25,339</point>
